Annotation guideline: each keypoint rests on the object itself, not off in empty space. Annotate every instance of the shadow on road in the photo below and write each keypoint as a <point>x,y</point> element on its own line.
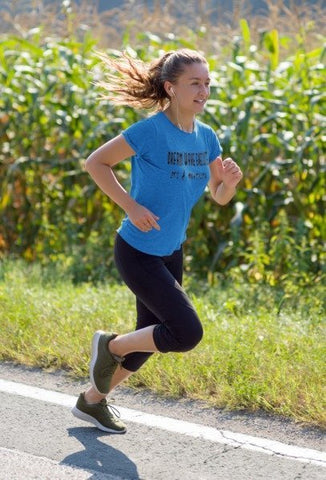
<point>98,456</point>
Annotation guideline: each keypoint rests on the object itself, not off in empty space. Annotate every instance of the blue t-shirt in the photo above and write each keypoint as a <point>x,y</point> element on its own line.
<point>170,170</point>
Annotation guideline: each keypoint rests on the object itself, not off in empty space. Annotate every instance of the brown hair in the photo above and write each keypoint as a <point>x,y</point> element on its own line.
<point>141,85</point>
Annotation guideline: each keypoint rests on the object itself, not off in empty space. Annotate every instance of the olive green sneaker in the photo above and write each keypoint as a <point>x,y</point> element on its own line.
<point>103,363</point>
<point>102,415</point>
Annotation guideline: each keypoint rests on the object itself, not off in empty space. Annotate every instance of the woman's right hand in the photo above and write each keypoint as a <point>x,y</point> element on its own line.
<point>143,218</point>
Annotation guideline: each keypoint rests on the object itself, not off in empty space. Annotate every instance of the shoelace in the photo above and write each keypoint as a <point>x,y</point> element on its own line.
<point>112,409</point>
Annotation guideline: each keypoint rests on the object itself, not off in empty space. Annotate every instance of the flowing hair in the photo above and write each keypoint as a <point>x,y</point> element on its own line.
<point>132,82</point>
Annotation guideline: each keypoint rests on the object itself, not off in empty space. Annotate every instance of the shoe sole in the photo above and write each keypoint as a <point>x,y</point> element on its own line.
<point>88,418</point>
<point>95,341</point>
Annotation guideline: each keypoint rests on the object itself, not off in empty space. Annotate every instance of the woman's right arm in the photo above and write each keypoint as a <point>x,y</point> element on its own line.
<point>99,165</point>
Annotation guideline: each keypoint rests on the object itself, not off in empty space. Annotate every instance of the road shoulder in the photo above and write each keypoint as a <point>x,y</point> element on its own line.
<point>258,424</point>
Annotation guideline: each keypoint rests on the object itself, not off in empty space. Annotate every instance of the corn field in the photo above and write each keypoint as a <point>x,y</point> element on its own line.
<point>268,109</point>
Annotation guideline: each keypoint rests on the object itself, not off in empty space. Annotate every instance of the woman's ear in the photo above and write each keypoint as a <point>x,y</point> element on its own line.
<point>168,87</point>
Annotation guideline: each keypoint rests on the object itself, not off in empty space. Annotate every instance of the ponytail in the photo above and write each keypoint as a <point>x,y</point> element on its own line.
<point>140,85</point>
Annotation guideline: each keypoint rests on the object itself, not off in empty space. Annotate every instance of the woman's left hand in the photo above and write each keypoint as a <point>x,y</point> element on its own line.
<point>229,172</point>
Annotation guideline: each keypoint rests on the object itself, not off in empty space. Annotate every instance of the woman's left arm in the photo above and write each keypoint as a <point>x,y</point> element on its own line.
<point>224,177</point>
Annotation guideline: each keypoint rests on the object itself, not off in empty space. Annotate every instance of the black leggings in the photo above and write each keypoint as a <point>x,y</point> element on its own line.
<point>160,300</point>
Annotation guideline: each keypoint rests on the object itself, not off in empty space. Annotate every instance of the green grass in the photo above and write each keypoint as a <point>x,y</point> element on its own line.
<point>263,348</point>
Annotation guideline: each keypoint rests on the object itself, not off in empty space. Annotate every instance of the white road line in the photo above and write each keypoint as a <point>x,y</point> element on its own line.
<point>225,437</point>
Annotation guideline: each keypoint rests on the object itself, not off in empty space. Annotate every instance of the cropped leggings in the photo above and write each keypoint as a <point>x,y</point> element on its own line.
<point>160,300</point>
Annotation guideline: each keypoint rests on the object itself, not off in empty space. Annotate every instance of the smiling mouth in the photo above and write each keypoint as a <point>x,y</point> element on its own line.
<point>200,101</point>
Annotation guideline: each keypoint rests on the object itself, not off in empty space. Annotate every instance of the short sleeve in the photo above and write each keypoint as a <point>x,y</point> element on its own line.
<point>141,136</point>
<point>215,146</point>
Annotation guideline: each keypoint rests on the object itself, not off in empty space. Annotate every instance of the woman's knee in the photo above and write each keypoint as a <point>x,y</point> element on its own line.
<point>178,338</point>
<point>191,337</point>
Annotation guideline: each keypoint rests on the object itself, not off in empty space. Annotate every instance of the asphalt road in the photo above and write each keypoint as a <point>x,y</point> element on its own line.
<point>42,440</point>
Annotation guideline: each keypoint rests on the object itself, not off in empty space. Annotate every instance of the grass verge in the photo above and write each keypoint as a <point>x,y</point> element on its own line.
<point>255,354</point>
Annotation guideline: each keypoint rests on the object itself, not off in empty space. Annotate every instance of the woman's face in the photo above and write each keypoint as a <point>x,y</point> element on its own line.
<point>191,90</point>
